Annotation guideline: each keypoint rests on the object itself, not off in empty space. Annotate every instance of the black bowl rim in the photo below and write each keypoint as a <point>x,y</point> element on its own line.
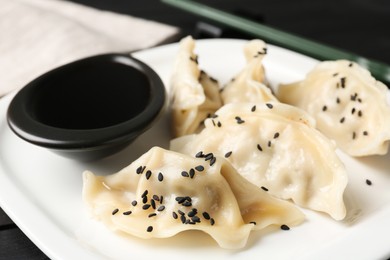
<point>26,127</point>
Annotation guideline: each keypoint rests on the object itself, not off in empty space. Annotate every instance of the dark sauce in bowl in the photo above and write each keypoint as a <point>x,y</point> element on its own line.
<point>89,108</point>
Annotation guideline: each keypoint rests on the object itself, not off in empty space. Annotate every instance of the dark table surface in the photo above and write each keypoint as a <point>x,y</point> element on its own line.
<point>360,26</point>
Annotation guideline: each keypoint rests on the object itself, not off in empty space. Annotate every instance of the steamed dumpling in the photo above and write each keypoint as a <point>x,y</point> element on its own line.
<point>163,193</point>
<point>249,84</point>
<point>276,147</point>
<point>195,95</point>
<point>349,105</point>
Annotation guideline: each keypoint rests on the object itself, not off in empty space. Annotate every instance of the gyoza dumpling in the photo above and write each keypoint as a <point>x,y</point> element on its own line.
<point>194,94</point>
<point>276,147</point>
<point>349,105</point>
<point>163,193</point>
<point>248,85</point>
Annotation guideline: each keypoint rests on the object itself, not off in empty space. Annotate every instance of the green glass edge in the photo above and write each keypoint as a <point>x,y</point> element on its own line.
<point>379,70</point>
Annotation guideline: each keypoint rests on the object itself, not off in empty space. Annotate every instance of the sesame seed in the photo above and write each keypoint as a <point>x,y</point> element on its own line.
<point>209,156</point>
<point>284,227</point>
<point>152,215</point>
<point>140,169</point>
<point>134,203</point>
<point>259,147</point>
<point>192,173</point>
<point>269,143</point>
<point>276,135</point>
<point>174,215</point>
<point>212,161</point>
<point>354,135</point>
<point>270,106</point>
<point>191,213</point>
<point>335,74</point>
<point>253,109</point>
<point>212,221</point>
<point>206,215</point>
<point>195,219</point>
<point>115,211</point>
<point>199,154</point>
<point>180,200</point>
<point>183,219</point>
<point>239,120</point>
<point>160,176</point>
<point>324,108</point>
<point>184,174</point>
<point>350,64</point>
<point>148,174</point>
<point>149,229</point>
<point>342,120</point>
<point>180,212</point>
<point>199,168</point>
<point>342,82</point>
<point>144,194</point>
<point>146,206</point>
<point>338,100</point>
<point>127,213</point>
<point>360,113</point>
<point>365,133</point>
<point>155,197</point>
<point>145,199</point>
<point>219,124</point>
<point>368,182</point>
<point>161,199</point>
<point>161,208</point>
<point>227,155</point>
<point>187,203</point>
<point>353,111</point>
<point>153,203</point>
<point>264,188</point>
<point>213,122</point>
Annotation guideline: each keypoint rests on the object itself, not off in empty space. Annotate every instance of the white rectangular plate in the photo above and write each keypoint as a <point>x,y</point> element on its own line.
<point>41,191</point>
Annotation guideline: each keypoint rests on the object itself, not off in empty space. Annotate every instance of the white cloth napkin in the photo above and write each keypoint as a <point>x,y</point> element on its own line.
<point>38,35</point>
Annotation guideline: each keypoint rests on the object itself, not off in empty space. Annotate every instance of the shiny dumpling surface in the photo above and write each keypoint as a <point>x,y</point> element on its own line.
<point>249,84</point>
<point>163,193</point>
<point>349,105</point>
<point>276,147</point>
<point>194,94</point>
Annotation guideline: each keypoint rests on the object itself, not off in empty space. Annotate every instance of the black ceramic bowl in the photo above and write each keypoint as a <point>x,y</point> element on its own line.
<point>90,108</point>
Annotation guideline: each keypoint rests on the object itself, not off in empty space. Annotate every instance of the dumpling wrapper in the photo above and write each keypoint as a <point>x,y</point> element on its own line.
<point>276,147</point>
<point>249,84</point>
<point>194,94</point>
<point>349,105</point>
<point>230,201</point>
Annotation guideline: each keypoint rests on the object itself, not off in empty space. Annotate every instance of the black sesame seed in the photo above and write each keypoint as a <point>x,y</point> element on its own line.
<point>199,154</point>
<point>350,64</point>
<point>174,215</point>
<point>284,227</point>
<point>354,135</point>
<point>239,120</point>
<point>148,174</point>
<point>161,199</point>
<point>227,155</point>
<point>324,108</point>
<point>335,74</point>
<point>145,199</point>
<point>209,156</point>
<point>206,215</point>
<point>270,106</point>
<point>153,203</point>
<point>276,135</point>
<point>180,200</point>
<point>187,203</point>
<point>146,206</point>
<point>213,122</point>
<point>342,81</point>
<point>353,111</point>
<point>180,212</point>
<point>127,213</point>
<point>184,174</point>
<point>191,213</point>
<point>195,219</point>
<point>259,147</point>
<point>342,120</point>
<point>152,215</point>
<point>140,169</point>
<point>338,100</point>
<point>149,229</point>
<point>269,143</point>
<point>264,188</point>
<point>368,182</point>
<point>161,208</point>
<point>212,161</point>
<point>253,109</point>
<point>212,221</point>
<point>199,168</point>
<point>115,211</point>
<point>134,203</point>
<point>144,194</point>
<point>160,176</point>
<point>156,198</point>
<point>365,133</point>
<point>192,173</point>
<point>219,124</point>
<point>183,219</point>
<point>360,113</point>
